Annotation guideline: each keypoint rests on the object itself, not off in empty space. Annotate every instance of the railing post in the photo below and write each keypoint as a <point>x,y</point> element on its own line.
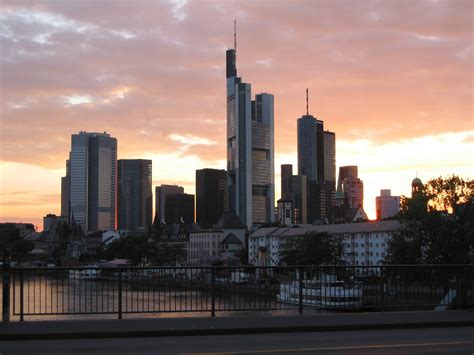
<point>213,293</point>
<point>120,295</point>
<point>22,297</point>
<point>300,289</point>
<point>6,292</point>
<point>382,288</point>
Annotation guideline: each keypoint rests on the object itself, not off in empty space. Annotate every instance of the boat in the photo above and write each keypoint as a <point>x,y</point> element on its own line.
<point>324,294</point>
<point>88,273</point>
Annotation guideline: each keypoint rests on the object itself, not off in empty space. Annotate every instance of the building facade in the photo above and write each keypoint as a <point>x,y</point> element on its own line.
<point>250,149</point>
<point>364,244</point>
<point>286,171</point>
<point>160,199</point>
<point>179,208</point>
<point>93,181</point>
<point>317,161</point>
<point>387,205</point>
<point>134,194</point>
<point>211,195</point>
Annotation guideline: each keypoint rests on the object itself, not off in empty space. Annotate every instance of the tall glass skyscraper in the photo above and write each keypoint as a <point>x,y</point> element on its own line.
<point>134,194</point>
<point>250,150</point>
<point>93,180</point>
<point>317,161</point>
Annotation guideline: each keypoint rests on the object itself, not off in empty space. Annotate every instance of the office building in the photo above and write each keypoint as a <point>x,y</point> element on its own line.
<point>65,189</point>
<point>263,179</point>
<point>160,199</point>
<point>250,149</point>
<point>286,172</point>
<point>179,208</point>
<point>317,161</point>
<point>350,171</point>
<point>387,205</point>
<point>298,194</point>
<point>211,191</point>
<point>93,181</point>
<point>134,194</point>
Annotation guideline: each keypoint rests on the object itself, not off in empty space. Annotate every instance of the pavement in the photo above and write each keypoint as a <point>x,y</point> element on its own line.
<point>166,327</point>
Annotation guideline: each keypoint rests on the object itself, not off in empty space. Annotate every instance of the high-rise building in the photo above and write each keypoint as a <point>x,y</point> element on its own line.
<point>134,194</point>
<point>65,189</point>
<point>353,189</point>
<point>160,198</point>
<point>250,149</point>
<point>211,190</point>
<point>286,172</point>
<point>179,208</point>
<point>93,180</point>
<point>387,205</point>
<point>350,171</point>
<point>263,179</point>
<point>317,161</point>
<point>298,194</point>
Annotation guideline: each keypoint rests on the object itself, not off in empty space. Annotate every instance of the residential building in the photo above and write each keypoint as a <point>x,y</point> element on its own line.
<point>364,244</point>
<point>224,241</point>
<point>211,189</point>
<point>387,205</point>
<point>48,221</point>
<point>179,208</point>
<point>250,149</point>
<point>134,194</point>
<point>160,198</point>
<point>93,181</point>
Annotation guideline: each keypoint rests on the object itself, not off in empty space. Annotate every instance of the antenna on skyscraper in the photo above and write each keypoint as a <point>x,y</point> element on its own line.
<point>307,106</point>
<point>235,35</point>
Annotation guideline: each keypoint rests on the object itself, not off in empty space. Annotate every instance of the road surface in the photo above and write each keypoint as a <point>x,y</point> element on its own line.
<point>405,341</point>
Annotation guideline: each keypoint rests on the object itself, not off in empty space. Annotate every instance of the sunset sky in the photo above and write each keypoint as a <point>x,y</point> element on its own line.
<point>393,79</point>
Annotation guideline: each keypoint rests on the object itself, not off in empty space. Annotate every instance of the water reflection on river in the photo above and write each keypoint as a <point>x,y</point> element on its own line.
<point>59,298</point>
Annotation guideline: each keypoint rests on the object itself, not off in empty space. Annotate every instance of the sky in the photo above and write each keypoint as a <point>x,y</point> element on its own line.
<point>393,80</point>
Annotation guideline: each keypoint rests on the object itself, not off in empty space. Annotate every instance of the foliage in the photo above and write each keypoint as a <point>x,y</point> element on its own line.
<point>313,248</point>
<point>437,227</point>
<point>141,249</point>
<point>11,243</point>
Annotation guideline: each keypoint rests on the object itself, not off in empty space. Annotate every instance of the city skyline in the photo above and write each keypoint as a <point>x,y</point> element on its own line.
<point>394,89</point>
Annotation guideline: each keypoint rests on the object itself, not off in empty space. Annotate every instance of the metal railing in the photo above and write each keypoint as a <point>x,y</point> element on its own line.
<point>209,290</point>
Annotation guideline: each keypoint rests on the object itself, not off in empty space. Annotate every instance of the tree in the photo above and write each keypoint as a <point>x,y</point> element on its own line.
<point>313,248</point>
<point>437,226</point>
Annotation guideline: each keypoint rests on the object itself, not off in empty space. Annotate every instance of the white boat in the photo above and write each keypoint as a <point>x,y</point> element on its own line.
<point>326,294</point>
<point>90,273</point>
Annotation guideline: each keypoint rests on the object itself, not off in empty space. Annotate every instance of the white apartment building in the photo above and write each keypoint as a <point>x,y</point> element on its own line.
<point>208,245</point>
<point>365,244</point>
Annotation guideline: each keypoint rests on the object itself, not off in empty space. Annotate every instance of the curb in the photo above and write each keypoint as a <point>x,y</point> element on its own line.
<point>228,331</point>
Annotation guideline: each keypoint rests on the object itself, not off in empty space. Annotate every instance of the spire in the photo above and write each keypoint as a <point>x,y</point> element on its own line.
<point>307,105</point>
<point>235,35</point>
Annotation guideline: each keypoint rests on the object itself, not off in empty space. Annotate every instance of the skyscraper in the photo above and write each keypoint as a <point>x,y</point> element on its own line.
<point>211,191</point>
<point>317,161</point>
<point>179,208</point>
<point>65,190</point>
<point>386,204</point>
<point>93,180</point>
<point>160,198</point>
<point>286,172</point>
<point>250,149</point>
<point>263,179</point>
<point>350,186</point>
<point>349,171</point>
<point>134,194</point>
